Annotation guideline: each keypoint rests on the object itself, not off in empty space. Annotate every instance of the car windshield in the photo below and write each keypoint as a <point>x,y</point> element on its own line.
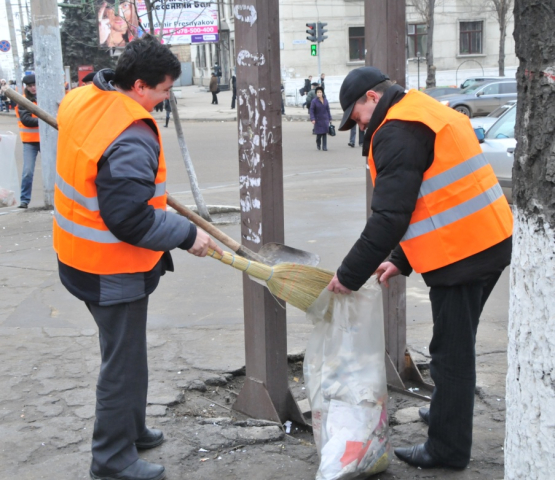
<point>500,110</point>
<point>504,127</point>
<point>473,87</point>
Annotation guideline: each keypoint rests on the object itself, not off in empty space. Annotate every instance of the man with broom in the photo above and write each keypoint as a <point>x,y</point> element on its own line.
<point>437,206</point>
<point>112,234</point>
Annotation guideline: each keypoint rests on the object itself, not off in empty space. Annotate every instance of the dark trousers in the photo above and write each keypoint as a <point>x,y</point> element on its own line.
<point>456,312</point>
<point>233,99</point>
<point>122,385</point>
<point>214,98</point>
<point>322,139</point>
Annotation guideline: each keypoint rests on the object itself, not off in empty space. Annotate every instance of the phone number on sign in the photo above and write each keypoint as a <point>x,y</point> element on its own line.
<point>193,30</point>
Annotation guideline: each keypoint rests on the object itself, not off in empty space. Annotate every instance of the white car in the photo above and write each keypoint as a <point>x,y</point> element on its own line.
<point>499,145</point>
<point>487,121</point>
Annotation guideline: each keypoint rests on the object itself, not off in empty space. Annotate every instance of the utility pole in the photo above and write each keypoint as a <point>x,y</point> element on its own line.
<point>49,70</point>
<point>13,40</point>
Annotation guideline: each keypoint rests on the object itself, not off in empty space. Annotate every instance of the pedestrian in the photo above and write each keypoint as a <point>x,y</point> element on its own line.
<point>214,88</point>
<point>233,91</point>
<point>320,116</point>
<point>322,78</point>
<point>437,206</point>
<point>29,133</point>
<point>353,137</point>
<point>307,84</point>
<point>4,103</point>
<point>282,91</point>
<point>113,234</point>
<point>311,95</point>
<point>88,78</point>
<point>168,108</point>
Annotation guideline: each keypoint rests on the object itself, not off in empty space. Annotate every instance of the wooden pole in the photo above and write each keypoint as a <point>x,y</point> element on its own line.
<point>385,49</point>
<point>199,200</point>
<point>265,393</point>
<point>49,71</point>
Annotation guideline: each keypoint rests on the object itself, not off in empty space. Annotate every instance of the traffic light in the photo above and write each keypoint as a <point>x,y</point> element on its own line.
<point>321,31</point>
<point>311,32</point>
<point>313,50</point>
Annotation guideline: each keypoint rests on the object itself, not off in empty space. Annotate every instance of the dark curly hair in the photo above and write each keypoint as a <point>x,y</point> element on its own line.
<point>148,60</point>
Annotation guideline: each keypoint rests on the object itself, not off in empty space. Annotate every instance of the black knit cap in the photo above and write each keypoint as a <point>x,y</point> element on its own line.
<point>29,79</point>
<point>355,85</point>
<point>88,77</point>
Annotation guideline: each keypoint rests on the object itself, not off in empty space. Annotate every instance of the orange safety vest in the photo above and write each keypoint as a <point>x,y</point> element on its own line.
<point>89,120</point>
<point>27,134</point>
<point>461,209</point>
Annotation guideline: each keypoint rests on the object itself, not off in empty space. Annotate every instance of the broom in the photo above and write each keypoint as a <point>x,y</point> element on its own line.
<point>299,285</point>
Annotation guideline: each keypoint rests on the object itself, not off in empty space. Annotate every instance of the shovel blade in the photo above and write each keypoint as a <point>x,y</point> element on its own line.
<point>275,253</point>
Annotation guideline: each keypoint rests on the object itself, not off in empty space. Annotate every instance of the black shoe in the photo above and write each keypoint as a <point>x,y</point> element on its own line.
<point>417,456</point>
<point>424,413</point>
<point>23,205</point>
<point>325,149</point>
<point>152,438</point>
<point>139,470</point>
<point>351,145</point>
<point>318,147</point>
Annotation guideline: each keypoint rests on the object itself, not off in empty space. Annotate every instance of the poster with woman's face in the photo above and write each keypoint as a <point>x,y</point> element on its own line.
<point>118,23</point>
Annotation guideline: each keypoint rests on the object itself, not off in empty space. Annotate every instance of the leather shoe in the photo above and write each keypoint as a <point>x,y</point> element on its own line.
<point>22,205</point>
<point>424,413</point>
<point>351,145</point>
<point>416,456</point>
<point>138,470</point>
<point>150,439</point>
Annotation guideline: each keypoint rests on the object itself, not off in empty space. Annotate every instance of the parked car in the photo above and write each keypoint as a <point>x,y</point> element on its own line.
<point>472,81</point>
<point>490,119</point>
<point>498,146</point>
<point>439,91</point>
<point>481,98</point>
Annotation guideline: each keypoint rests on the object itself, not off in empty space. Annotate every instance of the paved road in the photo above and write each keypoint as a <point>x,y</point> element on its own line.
<point>49,341</point>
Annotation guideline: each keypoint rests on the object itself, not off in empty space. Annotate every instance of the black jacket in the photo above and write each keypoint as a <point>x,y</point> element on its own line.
<point>402,152</point>
<point>25,115</point>
<point>125,184</point>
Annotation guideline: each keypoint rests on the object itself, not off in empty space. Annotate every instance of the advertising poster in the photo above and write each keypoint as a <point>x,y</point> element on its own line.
<point>118,24</point>
<point>183,22</point>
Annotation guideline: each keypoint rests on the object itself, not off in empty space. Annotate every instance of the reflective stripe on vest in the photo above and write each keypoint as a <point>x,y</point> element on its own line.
<point>89,121</point>
<point>27,134</point>
<point>461,209</point>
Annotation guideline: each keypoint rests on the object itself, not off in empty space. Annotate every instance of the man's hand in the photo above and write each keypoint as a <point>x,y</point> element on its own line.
<point>335,286</point>
<point>202,243</point>
<point>386,271</point>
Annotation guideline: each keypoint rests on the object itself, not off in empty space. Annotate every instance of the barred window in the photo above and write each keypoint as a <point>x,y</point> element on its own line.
<point>471,38</point>
<point>417,38</point>
<point>356,43</point>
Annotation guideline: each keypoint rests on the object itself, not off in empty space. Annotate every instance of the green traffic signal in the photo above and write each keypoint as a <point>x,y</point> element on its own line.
<point>313,50</point>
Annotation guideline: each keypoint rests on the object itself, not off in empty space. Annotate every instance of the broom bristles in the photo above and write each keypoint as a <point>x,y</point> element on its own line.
<point>299,285</point>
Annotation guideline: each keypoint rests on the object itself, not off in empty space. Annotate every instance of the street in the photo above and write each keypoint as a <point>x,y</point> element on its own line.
<point>49,341</point>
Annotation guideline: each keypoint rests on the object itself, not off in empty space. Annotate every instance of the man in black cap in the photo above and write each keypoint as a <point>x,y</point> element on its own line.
<point>88,78</point>
<point>29,133</point>
<point>311,95</point>
<point>437,208</point>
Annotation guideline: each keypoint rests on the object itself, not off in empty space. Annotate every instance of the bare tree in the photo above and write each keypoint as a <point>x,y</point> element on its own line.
<point>426,10</point>
<point>529,439</point>
<point>502,10</point>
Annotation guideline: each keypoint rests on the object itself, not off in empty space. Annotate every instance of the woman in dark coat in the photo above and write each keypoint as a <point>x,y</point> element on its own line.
<point>320,117</point>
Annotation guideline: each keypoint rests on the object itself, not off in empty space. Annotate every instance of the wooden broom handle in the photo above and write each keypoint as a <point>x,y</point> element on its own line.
<point>172,202</point>
<point>202,223</point>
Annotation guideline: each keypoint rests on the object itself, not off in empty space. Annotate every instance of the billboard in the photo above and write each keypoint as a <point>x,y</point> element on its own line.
<point>182,22</point>
<point>118,23</point>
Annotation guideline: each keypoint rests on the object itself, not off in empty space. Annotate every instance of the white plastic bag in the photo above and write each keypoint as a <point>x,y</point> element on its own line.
<point>9,180</point>
<point>344,371</point>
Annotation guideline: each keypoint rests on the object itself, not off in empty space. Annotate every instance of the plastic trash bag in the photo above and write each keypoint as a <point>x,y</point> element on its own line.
<point>344,371</point>
<point>9,179</point>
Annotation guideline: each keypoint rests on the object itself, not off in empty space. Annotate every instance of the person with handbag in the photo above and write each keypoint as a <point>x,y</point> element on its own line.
<point>320,116</point>
<point>214,88</point>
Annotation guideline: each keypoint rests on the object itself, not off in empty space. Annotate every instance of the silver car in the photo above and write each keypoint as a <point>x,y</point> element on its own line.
<point>498,146</point>
<point>481,98</point>
<point>490,119</point>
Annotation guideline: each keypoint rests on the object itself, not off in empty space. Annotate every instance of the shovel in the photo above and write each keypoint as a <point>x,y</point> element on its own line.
<point>270,254</point>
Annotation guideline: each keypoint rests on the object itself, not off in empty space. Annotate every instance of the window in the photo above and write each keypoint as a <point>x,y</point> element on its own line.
<point>492,89</point>
<point>471,38</point>
<point>356,43</point>
<point>417,39</point>
<point>509,87</point>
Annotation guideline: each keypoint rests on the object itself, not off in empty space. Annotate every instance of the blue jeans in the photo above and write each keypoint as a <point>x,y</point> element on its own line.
<point>353,135</point>
<point>30,152</point>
